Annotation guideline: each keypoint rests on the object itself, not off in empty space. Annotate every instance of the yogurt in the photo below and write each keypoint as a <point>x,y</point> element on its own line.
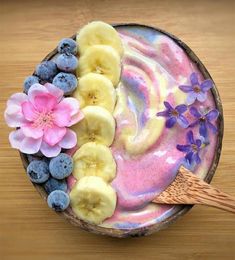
<point>153,67</point>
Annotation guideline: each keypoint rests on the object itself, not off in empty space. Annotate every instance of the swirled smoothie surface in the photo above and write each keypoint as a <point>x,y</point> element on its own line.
<point>153,67</point>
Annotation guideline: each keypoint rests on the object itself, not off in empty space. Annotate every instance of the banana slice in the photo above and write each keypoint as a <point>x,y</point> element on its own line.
<point>101,59</point>
<point>98,125</point>
<point>94,159</point>
<point>94,89</point>
<point>99,33</point>
<point>93,200</point>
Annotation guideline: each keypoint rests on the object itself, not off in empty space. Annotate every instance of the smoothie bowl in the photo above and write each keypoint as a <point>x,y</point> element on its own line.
<point>159,110</point>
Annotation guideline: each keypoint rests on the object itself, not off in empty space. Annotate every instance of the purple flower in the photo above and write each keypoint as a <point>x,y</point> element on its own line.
<point>174,115</point>
<point>204,120</point>
<point>192,148</point>
<point>196,90</point>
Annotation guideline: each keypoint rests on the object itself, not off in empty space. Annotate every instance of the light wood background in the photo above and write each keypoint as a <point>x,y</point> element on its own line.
<point>31,29</point>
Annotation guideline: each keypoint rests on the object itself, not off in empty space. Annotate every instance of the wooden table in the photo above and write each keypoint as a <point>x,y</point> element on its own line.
<point>31,29</point>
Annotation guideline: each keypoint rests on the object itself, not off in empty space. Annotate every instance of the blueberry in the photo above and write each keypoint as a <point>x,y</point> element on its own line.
<point>38,171</point>
<point>58,200</point>
<point>29,81</point>
<point>46,70</point>
<point>67,46</point>
<point>65,81</point>
<point>67,63</point>
<point>54,184</point>
<point>61,166</point>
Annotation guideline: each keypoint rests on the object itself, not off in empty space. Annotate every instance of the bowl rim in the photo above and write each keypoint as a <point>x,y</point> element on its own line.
<point>183,209</point>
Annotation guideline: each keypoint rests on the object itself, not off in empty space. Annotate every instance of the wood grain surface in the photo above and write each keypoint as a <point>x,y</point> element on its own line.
<point>31,29</point>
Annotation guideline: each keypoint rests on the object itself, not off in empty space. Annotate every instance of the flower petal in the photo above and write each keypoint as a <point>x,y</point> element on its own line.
<point>25,144</point>
<point>61,115</point>
<point>194,79</point>
<point>201,96</point>
<point>191,98</point>
<point>13,116</point>
<point>54,135</point>
<point>168,105</point>
<point>212,115</point>
<point>35,90</point>
<point>193,111</point>
<point>163,113</point>
<point>196,158</point>
<point>183,148</point>
<point>182,121</point>
<point>69,140</point>
<point>181,108</point>
<point>212,127</point>
<point>76,118</point>
<point>50,151</point>
<point>186,88</point>
<point>203,129</point>
<point>17,99</point>
<point>44,102</point>
<point>198,143</point>
<point>30,131</point>
<point>13,113</point>
<point>189,157</point>
<point>190,138</point>
<point>170,122</point>
<point>29,111</point>
<point>206,85</point>
<point>72,103</point>
<point>30,145</point>
<point>54,91</point>
<point>16,137</point>
<point>70,106</point>
<point>204,140</point>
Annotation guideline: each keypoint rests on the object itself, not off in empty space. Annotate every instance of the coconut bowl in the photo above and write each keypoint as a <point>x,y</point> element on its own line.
<point>182,209</point>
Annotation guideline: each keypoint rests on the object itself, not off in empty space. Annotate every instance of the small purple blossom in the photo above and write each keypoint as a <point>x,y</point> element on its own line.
<point>204,120</point>
<point>196,91</point>
<point>174,115</point>
<point>192,148</point>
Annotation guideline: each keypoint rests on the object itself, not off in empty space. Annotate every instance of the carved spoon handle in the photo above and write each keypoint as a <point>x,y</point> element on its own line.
<point>189,189</point>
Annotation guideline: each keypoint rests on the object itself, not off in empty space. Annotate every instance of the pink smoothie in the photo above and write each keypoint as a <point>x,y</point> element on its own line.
<point>153,67</point>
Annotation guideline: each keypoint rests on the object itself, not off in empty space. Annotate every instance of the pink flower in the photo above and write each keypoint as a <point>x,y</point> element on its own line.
<point>43,117</point>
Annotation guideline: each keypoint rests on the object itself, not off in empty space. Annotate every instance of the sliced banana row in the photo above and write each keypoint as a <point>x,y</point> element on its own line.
<point>96,90</point>
<point>92,198</point>
<point>94,159</point>
<point>103,60</point>
<point>99,65</point>
<point>98,126</point>
<point>96,33</point>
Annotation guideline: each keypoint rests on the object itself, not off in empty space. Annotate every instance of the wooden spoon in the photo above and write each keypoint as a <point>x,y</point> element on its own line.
<point>189,189</point>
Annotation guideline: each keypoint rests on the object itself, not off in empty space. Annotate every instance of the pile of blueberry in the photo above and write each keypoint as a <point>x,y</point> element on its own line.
<point>61,72</point>
<point>51,175</point>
